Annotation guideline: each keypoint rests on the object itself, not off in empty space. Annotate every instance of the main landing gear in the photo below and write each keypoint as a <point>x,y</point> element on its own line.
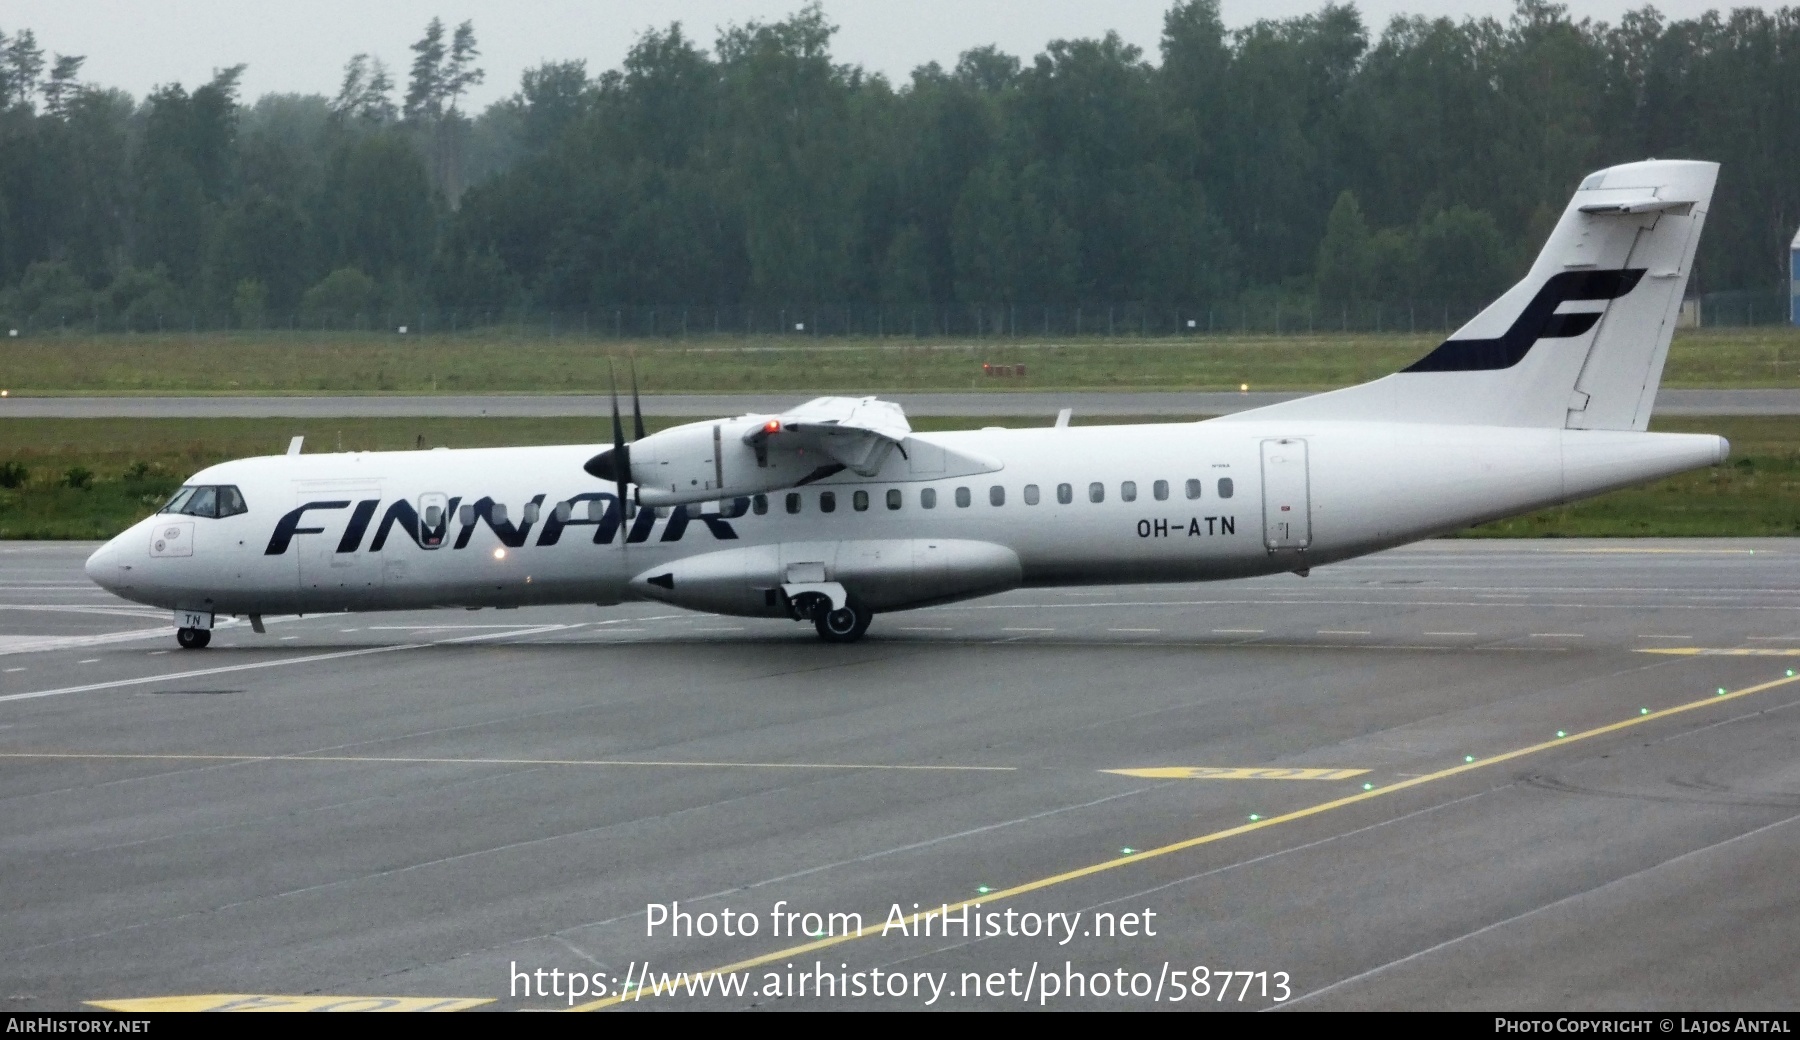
<point>846,624</point>
<point>843,625</point>
<point>193,638</point>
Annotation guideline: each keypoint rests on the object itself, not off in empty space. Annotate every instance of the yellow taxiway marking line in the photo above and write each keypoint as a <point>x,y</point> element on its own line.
<point>1709,651</point>
<point>268,1002</point>
<point>1264,823</point>
<point>1237,773</point>
<point>396,760</point>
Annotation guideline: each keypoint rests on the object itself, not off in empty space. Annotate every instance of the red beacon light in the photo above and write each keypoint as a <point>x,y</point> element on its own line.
<point>772,426</point>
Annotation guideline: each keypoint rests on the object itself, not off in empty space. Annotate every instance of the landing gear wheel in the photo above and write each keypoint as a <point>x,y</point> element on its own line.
<point>193,638</point>
<point>843,625</point>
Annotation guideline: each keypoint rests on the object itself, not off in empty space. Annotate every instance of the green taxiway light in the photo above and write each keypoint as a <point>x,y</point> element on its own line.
<point>1790,673</point>
<point>1721,691</point>
<point>1561,733</point>
<point>1254,817</point>
<point>1368,787</point>
<point>984,890</point>
<point>1468,758</point>
<point>1643,711</point>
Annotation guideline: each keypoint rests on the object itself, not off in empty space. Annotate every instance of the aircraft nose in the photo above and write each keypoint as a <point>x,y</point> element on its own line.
<point>103,566</point>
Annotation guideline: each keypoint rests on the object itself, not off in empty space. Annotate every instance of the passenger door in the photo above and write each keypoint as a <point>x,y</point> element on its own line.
<point>330,579</point>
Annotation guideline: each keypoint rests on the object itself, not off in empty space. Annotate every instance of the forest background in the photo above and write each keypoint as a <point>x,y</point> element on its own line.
<point>1312,164</point>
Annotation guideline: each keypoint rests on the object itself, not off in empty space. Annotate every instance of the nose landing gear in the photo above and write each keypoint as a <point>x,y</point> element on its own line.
<point>193,638</point>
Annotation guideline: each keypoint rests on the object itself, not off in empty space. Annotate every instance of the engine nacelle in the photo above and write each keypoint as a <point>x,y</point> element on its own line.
<point>699,462</point>
<point>880,574</point>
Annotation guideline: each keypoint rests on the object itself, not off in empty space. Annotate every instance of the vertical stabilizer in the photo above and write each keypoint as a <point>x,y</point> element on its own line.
<point>1580,342</point>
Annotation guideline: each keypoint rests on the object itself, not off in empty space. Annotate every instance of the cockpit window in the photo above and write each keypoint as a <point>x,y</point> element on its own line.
<point>209,500</point>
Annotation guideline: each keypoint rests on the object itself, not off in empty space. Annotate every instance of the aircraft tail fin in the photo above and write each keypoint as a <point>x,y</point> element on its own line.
<point>1580,342</point>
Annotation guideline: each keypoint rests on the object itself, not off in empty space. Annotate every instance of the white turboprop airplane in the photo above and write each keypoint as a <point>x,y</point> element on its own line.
<point>836,511</point>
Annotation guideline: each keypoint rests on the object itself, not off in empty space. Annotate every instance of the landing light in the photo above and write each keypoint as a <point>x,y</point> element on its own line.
<point>499,554</point>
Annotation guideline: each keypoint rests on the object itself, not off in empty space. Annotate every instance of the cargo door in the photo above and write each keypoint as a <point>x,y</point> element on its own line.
<point>1287,502</point>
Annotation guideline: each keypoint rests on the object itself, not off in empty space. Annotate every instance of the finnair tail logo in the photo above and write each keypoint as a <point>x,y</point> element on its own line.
<point>1538,320</point>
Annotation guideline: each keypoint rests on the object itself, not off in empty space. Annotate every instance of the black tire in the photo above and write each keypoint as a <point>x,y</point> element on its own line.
<point>193,638</point>
<point>844,625</point>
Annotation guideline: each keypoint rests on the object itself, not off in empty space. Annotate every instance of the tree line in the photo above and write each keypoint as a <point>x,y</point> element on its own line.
<point>1310,162</point>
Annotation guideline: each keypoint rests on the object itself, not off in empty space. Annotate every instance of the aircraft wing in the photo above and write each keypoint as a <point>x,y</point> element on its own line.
<point>857,432</point>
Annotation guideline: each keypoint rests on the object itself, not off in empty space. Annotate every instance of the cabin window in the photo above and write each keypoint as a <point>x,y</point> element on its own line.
<point>466,516</point>
<point>793,502</point>
<point>859,501</point>
<point>434,515</point>
<point>1128,491</point>
<point>1160,489</point>
<point>928,498</point>
<point>827,501</point>
<point>962,498</point>
<point>1031,494</point>
<point>497,513</point>
<point>1065,493</point>
<point>759,504</point>
<point>1225,487</point>
<point>596,510</point>
<point>530,513</point>
<point>893,498</point>
<point>996,495</point>
<point>1193,489</point>
<point>1096,492</point>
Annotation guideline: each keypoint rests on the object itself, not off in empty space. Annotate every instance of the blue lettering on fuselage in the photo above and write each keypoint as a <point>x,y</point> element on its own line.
<point>596,509</point>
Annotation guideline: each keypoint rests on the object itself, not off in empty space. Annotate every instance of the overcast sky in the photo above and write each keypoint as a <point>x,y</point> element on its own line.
<point>302,47</point>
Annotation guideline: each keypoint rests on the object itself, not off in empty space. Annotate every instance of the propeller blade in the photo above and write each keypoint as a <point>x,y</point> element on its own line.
<point>637,410</point>
<point>621,453</point>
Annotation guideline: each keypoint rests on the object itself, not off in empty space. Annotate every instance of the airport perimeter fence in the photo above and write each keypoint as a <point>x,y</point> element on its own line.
<point>983,322</point>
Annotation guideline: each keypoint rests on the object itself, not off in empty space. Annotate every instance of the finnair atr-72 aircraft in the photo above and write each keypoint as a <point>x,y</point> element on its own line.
<point>836,511</point>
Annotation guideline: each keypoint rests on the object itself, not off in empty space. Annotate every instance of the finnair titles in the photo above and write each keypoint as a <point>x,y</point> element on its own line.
<point>836,511</point>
